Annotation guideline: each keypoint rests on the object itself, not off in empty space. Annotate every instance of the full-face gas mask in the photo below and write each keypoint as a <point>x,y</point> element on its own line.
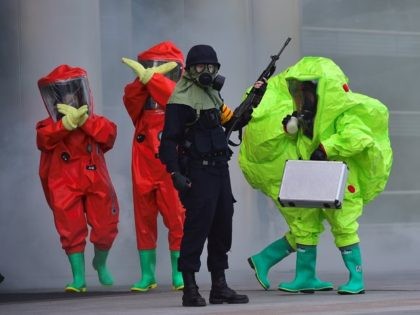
<point>305,100</point>
<point>203,66</point>
<point>206,75</point>
<point>66,85</point>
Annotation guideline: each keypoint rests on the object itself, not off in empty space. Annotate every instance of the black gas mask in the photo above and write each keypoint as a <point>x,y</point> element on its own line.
<point>305,99</point>
<point>206,76</point>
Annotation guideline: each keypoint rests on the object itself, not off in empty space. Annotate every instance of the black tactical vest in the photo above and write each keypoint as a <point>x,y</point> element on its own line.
<point>206,139</point>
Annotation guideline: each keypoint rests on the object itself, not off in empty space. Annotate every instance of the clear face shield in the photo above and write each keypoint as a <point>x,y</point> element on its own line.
<point>74,92</point>
<point>174,74</point>
<point>305,102</point>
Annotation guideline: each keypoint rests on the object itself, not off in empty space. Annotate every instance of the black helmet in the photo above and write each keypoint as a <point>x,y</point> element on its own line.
<point>204,54</point>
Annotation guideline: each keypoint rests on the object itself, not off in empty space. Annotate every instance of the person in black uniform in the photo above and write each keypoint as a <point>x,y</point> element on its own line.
<point>195,151</point>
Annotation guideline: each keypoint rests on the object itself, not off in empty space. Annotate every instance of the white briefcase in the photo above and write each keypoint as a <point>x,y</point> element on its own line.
<point>313,184</point>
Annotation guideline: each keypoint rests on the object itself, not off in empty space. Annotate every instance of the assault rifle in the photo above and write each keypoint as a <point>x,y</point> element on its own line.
<point>253,97</point>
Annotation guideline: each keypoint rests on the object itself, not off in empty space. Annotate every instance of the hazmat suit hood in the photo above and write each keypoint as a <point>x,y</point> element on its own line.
<point>66,85</point>
<point>266,146</point>
<point>329,79</point>
<point>161,53</point>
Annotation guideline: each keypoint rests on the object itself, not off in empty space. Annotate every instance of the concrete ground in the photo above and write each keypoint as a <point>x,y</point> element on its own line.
<point>386,294</point>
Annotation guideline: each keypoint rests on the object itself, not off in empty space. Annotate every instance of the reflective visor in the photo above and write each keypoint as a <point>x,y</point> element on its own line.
<point>174,74</point>
<point>74,92</point>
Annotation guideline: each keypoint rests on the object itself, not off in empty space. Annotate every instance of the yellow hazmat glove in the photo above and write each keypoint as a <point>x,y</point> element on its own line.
<point>83,111</point>
<point>145,74</point>
<point>71,115</point>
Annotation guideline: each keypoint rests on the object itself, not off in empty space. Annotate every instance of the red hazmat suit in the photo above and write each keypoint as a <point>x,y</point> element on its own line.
<point>153,190</point>
<point>73,171</point>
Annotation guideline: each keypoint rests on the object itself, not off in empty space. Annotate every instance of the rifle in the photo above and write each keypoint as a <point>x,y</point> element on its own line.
<point>253,97</point>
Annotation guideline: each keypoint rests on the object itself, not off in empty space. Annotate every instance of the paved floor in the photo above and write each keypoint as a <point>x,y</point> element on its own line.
<point>387,294</point>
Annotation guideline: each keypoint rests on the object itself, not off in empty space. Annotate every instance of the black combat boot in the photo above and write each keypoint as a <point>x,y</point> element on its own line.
<point>191,295</point>
<point>220,292</point>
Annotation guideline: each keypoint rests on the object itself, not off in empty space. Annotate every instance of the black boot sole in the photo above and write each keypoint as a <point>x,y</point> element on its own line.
<point>221,301</point>
<point>194,304</point>
<point>350,293</point>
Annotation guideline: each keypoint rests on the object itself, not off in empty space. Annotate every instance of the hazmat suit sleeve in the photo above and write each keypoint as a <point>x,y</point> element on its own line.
<point>351,138</point>
<point>49,133</point>
<point>160,88</point>
<point>102,130</point>
<point>136,93</point>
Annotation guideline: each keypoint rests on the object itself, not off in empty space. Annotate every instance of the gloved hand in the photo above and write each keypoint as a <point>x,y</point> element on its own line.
<point>260,87</point>
<point>71,115</point>
<point>145,74</point>
<point>84,115</point>
<point>319,154</point>
<point>181,182</point>
<point>290,123</point>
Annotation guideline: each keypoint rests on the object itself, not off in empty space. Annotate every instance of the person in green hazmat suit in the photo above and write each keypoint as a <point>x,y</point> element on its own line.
<point>322,119</point>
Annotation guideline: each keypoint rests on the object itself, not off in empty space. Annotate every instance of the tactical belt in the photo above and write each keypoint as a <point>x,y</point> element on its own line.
<point>208,162</point>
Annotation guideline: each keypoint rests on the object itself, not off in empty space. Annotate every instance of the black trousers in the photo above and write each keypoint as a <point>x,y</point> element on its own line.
<point>208,216</point>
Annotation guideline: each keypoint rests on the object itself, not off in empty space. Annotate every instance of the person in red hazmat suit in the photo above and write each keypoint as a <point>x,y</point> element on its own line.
<point>157,71</point>
<point>73,172</point>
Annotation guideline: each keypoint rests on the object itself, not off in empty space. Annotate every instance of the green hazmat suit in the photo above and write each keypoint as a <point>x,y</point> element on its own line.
<point>348,127</point>
<point>351,127</point>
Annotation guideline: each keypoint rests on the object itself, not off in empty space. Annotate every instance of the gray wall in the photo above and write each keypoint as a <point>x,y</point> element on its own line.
<point>39,35</point>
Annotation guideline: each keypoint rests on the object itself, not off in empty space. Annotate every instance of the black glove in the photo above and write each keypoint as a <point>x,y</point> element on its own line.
<point>181,183</point>
<point>286,120</point>
<point>319,154</point>
<point>261,89</point>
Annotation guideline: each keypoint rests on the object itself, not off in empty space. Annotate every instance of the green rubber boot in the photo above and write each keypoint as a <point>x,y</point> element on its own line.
<point>353,261</point>
<point>306,280</point>
<point>177,280</point>
<point>99,264</point>
<point>148,266</point>
<point>267,258</point>
<point>77,263</point>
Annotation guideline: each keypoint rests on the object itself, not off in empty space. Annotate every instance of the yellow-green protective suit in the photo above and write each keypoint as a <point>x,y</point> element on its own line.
<point>351,127</point>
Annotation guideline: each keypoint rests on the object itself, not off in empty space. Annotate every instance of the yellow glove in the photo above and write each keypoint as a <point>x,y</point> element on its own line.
<point>145,74</point>
<point>71,115</point>
<point>83,111</point>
